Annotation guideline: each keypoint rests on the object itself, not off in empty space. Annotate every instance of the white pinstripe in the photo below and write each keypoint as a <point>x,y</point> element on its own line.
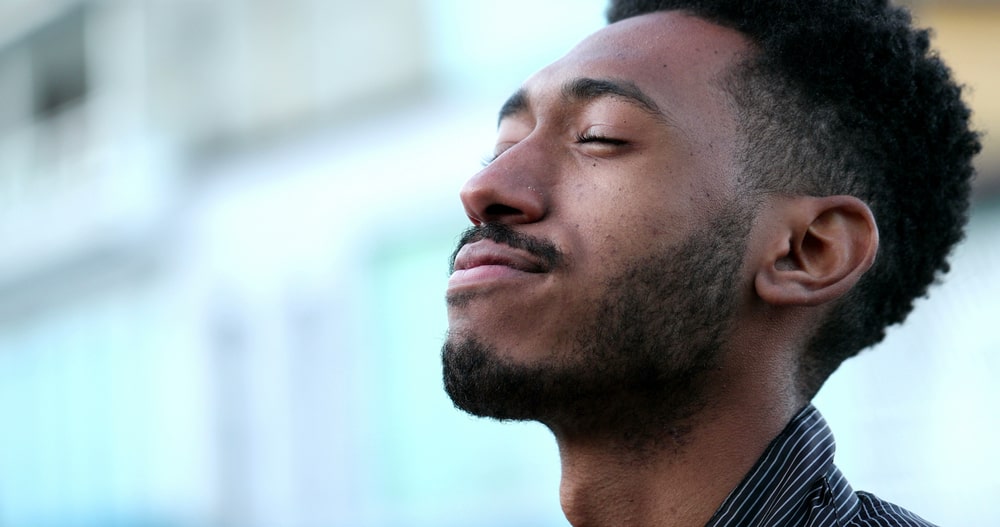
<point>796,484</point>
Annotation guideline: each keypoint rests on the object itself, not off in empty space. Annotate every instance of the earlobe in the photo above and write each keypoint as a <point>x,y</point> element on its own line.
<point>819,247</point>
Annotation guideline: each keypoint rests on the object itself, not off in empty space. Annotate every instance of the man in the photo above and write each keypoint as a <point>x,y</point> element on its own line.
<point>690,221</point>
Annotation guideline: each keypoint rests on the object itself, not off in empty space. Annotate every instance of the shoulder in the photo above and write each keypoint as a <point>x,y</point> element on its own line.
<point>875,512</point>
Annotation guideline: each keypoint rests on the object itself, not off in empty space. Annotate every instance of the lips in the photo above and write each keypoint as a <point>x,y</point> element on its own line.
<point>486,252</point>
<point>488,261</point>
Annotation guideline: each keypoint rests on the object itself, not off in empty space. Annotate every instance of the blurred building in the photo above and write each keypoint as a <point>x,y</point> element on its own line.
<point>224,229</point>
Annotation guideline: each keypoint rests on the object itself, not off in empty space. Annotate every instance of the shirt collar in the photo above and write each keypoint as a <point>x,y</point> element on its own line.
<point>794,480</point>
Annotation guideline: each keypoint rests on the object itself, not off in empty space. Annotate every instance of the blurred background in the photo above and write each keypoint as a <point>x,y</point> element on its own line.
<point>224,232</point>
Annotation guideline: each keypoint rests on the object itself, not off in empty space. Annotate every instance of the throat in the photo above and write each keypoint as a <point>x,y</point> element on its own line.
<point>612,486</point>
<point>679,480</point>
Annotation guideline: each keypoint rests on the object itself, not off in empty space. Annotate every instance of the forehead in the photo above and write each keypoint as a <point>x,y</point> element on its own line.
<point>674,58</point>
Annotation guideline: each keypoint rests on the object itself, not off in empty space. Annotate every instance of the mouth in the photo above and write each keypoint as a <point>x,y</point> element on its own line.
<point>486,252</point>
<point>486,261</point>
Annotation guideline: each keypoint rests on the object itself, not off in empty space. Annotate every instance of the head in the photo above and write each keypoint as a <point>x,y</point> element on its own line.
<point>638,215</point>
<point>600,280</point>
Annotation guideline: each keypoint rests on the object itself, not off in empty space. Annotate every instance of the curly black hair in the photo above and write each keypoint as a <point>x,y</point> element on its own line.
<point>846,97</point>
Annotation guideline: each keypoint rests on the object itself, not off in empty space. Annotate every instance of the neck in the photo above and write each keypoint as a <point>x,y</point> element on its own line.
<point>684,474</point>
<point>680,481</point>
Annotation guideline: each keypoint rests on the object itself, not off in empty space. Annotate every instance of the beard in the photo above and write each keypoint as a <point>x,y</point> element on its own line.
<point>636,370</point>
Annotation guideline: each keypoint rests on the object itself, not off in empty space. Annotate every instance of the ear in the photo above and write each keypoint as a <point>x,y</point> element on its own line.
<point>817,249</point>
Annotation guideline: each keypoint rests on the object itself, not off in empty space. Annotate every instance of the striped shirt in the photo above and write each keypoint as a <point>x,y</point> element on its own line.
<point>795,483</point>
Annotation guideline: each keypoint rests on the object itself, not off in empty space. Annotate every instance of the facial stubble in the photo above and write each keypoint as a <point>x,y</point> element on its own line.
<point>637,369</point>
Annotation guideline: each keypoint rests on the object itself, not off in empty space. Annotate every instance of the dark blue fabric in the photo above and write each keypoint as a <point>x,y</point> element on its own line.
<point>795,483</point>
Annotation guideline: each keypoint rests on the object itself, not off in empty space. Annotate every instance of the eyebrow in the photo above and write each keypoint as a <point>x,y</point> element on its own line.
<point>588,89</point>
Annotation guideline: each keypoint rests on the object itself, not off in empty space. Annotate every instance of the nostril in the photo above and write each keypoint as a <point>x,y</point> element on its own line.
<point>498,210</point>
<point>495,195</point>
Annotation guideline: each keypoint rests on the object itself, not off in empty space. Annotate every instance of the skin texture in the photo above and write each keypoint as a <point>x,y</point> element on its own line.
<point>602,205</point>
<point>634,372</point>
<point>616,174</point>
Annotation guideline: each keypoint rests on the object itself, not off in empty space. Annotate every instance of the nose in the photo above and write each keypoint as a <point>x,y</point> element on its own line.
<point>506,191</point>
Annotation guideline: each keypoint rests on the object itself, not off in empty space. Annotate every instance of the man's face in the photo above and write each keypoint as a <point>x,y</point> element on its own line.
<point>610,238</point>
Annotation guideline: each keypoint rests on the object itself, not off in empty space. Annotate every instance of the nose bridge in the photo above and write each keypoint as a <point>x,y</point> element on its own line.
<point>514,188</point>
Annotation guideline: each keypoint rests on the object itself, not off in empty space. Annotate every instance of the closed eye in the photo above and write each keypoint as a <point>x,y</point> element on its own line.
<point>594,138</point>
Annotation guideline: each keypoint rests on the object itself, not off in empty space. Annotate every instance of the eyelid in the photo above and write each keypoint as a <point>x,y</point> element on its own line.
<point>591,135</point>
<point>597,137</point>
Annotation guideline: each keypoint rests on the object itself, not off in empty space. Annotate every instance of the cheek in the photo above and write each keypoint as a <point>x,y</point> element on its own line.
<point>640,223</point>
<point>623,210</point>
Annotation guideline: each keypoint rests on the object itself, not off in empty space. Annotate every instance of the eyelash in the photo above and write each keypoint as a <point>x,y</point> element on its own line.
<point>580,138</point>
<point>592,138</point>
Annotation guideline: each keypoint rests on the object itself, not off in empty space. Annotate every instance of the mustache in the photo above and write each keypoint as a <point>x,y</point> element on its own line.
<point>545,251</point>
